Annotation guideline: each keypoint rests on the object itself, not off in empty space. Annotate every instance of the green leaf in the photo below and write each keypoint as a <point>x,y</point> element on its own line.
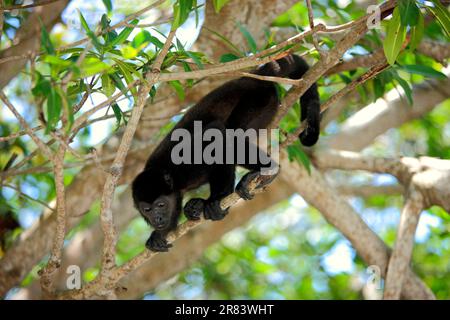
<point>45,40</point>
<point>442,15</point>
<point>90,34</point>
<point>395,36</point>
<point>125,71</point>
<point>42,88</point>
<point>248,37</point>
<point>117,112</point>
<point>156,42</point>
<point>193,55</point>
<point>295,152</point>
<point>129,52</point>
<point>110,35</point>
<point>67,107</point>
<point>118,83</point>
<point>74,90</point>
<point>344,78</point>
<point>406,88</point>
<point>108,5</point>
<point>425,71</point>
<point>57,61</point>
<point>228,57</point>
<point>92,65</point>
<point>123,35</point>
<point>226,41</point>
<point>71,50</point>
<point>152,93</point>
<point>416,33</point>
<point>378,88</point>
<point>219,4</point>
<point>53,110</point>
<point>409,12</point>
<point>181,10</point>
<point>107,85</point>
<point>132,69</point>
<point>178,87</point>
<point>141,40</point>
<point>187,68</point>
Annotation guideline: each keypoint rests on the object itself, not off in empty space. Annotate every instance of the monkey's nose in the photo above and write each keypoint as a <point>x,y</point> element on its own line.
<point>159,221</point>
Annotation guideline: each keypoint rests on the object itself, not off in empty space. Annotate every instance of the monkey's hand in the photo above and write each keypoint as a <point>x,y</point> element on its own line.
<point>157,242</point>
<point>194,208</point>
<point>213,211</point>
<point>242,189</point>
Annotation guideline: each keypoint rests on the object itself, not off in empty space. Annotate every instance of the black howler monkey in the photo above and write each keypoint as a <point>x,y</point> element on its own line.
<point>245,103</point>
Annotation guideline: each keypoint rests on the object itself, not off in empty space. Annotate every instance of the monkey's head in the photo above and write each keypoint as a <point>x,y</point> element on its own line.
<point>154,197</point>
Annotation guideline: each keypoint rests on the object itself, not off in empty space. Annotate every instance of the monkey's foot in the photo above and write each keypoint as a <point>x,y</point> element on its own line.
<point>194,208</point>
<point>213,211</point>
<point>157,243</point>
<point>242,189</point>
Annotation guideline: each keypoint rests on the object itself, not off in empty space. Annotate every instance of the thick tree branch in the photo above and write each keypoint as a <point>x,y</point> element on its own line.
<point>366,191</point>
<point>364,126</point>
<point>430,176</point>
<point>317,192</point>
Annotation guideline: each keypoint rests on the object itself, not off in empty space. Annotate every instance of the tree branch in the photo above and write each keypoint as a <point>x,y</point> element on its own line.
<point>317,192</point>
<point>364,126</point>
<point>401,255</point>
<point>106,217</point>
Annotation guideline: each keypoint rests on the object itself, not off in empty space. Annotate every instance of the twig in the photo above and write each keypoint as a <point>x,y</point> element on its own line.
<point>28,158</point>
<point>292,82</point>
<point>19,134</point>
<point>45,149</point>
<point>311,25</point>
<point>25,196</point>
<point>78,124</point>
<point>401,255</point>
<point>350,87</point>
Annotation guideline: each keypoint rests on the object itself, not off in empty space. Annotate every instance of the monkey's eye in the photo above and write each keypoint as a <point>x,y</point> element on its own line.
<point>146,209</point>
<point>161,204</point>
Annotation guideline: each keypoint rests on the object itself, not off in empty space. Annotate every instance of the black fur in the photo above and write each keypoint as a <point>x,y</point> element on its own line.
<point>243,103</point>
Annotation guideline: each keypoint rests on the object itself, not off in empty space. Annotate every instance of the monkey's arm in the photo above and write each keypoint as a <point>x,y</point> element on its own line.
<point>158,242</point>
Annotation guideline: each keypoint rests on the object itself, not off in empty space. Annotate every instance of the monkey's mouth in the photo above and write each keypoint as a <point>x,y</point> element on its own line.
<point>160,226</point>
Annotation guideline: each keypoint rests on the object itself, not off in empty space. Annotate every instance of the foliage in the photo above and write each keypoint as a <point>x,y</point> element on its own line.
<point>283,253</point>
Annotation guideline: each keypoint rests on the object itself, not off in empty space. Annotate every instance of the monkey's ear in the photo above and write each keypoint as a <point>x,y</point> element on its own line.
<point>168,179</point>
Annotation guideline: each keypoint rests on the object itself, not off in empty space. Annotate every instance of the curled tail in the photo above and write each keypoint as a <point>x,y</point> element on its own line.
<point>294,67</point>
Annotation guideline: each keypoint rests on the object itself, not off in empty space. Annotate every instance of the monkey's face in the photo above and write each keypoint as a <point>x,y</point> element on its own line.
<point>159,213</point>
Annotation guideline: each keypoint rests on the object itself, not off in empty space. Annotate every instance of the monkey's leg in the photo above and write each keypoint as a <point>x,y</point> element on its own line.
<point>221,179</point>
<point>221,184</point>
<point>257,171</point>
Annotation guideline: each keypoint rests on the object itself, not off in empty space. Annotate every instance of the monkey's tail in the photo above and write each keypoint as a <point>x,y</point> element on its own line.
<point>294,67</point>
